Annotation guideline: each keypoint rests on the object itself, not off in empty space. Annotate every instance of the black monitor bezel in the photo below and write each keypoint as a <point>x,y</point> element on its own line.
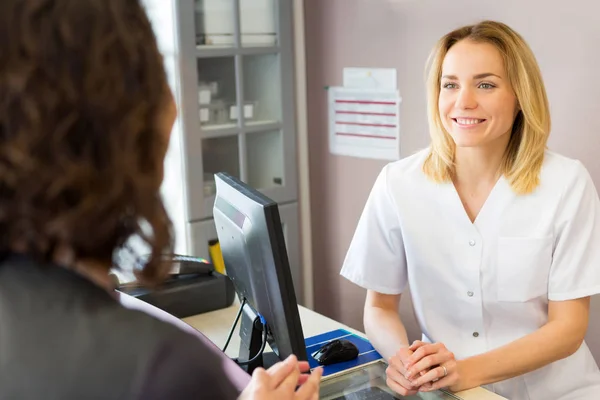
<point>286,296</point>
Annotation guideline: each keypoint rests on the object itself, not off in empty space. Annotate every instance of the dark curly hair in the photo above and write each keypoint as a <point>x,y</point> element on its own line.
<point>82,86</point>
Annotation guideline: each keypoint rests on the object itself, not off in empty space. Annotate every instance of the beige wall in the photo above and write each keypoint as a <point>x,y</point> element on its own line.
<point>399,34</point>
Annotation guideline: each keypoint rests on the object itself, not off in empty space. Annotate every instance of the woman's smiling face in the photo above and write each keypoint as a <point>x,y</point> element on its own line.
<point>477,104</point>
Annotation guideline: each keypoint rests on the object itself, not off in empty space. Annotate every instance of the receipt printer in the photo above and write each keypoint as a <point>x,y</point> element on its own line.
<point>194,287</point>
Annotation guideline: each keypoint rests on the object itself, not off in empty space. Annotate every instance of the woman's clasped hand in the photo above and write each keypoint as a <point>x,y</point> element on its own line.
<point>423,367</point>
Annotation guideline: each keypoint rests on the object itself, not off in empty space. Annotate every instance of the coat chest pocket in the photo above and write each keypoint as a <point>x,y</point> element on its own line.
<point>523,267</point>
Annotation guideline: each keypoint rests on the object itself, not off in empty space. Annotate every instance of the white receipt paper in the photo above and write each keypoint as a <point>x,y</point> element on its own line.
<point>364,122</point>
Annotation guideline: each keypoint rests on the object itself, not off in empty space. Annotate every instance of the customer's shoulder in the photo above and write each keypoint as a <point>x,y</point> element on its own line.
<point>185,366</point>
<point>136,328</point>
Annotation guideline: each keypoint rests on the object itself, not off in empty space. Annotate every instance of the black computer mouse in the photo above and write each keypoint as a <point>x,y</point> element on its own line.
<point>336,351</point>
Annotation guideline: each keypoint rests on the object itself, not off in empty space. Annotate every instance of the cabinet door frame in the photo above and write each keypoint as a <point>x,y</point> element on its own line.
<point>199,206</point>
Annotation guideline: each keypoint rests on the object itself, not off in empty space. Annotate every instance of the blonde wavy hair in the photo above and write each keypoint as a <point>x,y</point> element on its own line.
<point>524,155</point>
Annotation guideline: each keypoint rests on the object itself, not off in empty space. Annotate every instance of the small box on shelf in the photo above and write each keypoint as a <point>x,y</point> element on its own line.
<point>249,111</point>
<point>214,113</point>
<point>207,91</point>
<point>204,96</point>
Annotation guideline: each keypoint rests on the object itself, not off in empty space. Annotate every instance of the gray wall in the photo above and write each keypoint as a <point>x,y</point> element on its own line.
<point>399,34</point>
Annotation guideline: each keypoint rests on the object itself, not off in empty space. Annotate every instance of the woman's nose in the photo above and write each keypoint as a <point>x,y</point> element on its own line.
<point>466,99</point>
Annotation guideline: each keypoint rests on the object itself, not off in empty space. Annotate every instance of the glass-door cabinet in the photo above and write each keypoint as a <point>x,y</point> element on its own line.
<point>237,108</point>
<point>243,89</point>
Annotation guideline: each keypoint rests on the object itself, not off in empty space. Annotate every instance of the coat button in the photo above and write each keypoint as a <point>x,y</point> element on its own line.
<point>470,294</point>
<point>471,243</point>
<point>475,334</point>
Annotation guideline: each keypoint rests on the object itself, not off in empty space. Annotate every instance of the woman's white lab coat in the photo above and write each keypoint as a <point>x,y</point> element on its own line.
<point>478,286</point>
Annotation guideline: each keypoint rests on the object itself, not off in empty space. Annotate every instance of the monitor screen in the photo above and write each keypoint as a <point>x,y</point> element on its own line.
<point>252,242</point>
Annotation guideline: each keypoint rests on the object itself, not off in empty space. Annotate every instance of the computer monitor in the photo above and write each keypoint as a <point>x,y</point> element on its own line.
<point>253,247</point>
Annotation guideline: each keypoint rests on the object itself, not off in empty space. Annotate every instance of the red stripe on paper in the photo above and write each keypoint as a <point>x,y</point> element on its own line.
<point>364,135</point>
<point>386,103</point>
<point>363,124</point>
<point>365,113</point>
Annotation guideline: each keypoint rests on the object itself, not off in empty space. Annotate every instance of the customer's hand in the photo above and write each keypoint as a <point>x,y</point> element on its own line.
<point>280,381</point>
<point>396,373</point>
<point>432,366</point>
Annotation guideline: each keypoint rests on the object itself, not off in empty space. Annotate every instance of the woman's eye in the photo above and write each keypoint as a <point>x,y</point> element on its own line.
<point>449,86</point>
<point>486,86</point>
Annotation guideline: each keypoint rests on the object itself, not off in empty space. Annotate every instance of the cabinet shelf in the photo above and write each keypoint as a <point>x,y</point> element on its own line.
<point>205,51</point>
<point>216,131</point>
<point>259,126</point>
<point>214,51</point>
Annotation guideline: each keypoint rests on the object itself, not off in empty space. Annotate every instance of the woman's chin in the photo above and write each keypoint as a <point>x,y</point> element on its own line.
<point>462,141</point>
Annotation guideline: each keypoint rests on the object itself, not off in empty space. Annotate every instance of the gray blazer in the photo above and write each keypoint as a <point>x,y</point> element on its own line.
<point>62,337</point>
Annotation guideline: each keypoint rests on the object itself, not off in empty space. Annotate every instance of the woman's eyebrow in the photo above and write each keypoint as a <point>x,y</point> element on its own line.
<point>478,76</point>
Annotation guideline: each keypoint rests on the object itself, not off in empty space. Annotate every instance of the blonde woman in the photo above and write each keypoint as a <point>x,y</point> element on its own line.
<point>498,237</point>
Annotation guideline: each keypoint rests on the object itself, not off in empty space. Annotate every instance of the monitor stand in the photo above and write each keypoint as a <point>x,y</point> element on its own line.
<point>251,335</point>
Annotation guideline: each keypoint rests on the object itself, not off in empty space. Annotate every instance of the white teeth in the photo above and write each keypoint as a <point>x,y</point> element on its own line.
<point>468,121</point>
